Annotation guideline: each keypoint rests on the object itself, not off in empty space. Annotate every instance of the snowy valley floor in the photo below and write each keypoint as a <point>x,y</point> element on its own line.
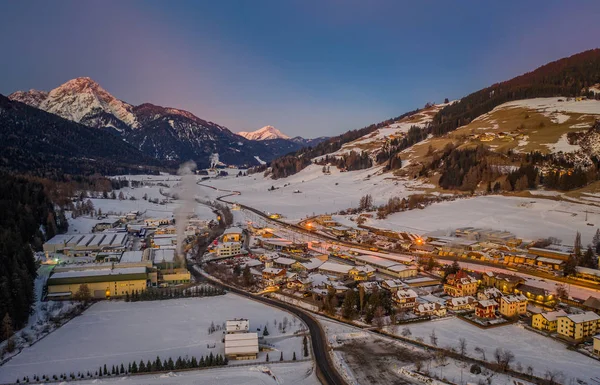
<point>115,332</point>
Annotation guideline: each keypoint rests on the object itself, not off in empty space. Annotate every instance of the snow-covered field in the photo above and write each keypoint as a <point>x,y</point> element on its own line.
<point>529,348</point>
<point>528,218</point>
<point>319,193</point>
<point>148,209</point>
<point>115,332</point>
<point>552,107</point>
<point>301,373</point>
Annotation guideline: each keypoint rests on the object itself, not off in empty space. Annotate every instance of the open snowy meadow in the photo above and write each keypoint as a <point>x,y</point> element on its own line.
<point>530,349</point>
<point>115,332</point>
<point>529,218</point>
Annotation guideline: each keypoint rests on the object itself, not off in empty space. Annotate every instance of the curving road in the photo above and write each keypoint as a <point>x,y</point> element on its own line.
<point>326,370</point>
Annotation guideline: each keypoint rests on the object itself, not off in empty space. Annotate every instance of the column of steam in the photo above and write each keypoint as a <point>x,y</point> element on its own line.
<point>187,195</point>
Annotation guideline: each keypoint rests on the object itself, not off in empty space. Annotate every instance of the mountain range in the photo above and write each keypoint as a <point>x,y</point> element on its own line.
<point>169,135</point>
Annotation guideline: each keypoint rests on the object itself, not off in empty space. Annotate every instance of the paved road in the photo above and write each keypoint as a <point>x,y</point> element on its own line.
<point>325,368</point>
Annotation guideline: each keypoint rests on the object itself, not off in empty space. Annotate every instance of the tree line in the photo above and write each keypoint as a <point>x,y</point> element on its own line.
<point>28,219</point>
<point>134,367</point>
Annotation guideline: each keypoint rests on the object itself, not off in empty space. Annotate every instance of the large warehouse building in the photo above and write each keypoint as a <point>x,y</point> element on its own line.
<point>86,244</point>
<point>102,283</point>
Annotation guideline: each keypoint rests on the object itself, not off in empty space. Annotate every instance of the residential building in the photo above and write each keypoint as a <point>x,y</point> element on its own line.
<point>513,305</point>
<point>537,295</point>
<point>506,283</point>
<point>461,303</point>
<point>547,321</point>
<point>232,234</point>
<point>430,308</point>
<point>486,308</point>
<point>405,299</point>
<point>361,273</point>
<point>596,345</point>
<point>393,285</point>
<point>229,249</point>
<point>273,276</point>
<point>460,284</point>
<point>578,326</point>
<point>489,293</point>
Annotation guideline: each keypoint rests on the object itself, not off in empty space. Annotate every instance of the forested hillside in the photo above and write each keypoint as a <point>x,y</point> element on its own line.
<point>27,219</point>
<point>39,143</point>
<point>565,77</point>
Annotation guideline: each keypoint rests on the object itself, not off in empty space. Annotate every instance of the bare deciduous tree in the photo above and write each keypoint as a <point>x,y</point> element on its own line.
<point>433,338</point>
<point>462,346</point>
<point>480,351</point>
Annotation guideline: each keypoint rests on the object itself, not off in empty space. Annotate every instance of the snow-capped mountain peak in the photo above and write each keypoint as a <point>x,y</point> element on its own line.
<point>265,133</point>
<point>80,100</point>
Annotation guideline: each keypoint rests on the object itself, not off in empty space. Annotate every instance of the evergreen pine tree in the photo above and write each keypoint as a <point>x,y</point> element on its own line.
<point>134,367</point>
<point>104,371</point>
<point>281,357</point>
<point>122,369</point>
<point>267,359</point>
<point>142,367</point>
<point>294,357</point>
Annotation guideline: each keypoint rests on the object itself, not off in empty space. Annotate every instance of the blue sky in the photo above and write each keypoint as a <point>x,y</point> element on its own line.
<point>308,67</point>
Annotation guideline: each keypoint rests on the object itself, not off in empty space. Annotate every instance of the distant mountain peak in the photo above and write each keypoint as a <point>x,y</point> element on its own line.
<point>80,100</point>
<point>265,133</point>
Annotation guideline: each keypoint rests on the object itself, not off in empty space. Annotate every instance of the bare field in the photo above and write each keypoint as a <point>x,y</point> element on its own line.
<point>376,361</point>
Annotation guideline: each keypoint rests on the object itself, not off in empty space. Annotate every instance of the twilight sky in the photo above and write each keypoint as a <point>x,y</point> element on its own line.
<point>308,67</point>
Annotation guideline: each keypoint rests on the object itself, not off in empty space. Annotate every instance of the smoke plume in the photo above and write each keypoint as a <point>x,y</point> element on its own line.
<point>187,194</point>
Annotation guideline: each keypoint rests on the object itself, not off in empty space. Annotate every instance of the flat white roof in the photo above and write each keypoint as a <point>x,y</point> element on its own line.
<point>85,240</point>
<point>98,272</point>
<point>238,325</point>
<point>132,256</point>
<point>119,239</point>
<point>397,268</point>
<point>284,261</point>
<point>335,267</point>
<point>164,255</point>
<point>587,270</point>
<point>373,260</point>
<point>59,239</point>
<point>241,343</point>
<point>232,230</point>
<point>272,270</point>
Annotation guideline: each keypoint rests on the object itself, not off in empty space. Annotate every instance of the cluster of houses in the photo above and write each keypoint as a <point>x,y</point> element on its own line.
<point>491,136</point>
<point>501,247</point>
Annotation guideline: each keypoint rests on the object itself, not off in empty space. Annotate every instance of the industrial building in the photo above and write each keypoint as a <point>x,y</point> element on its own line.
<point>78,245</point>
<point>102,283</point>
